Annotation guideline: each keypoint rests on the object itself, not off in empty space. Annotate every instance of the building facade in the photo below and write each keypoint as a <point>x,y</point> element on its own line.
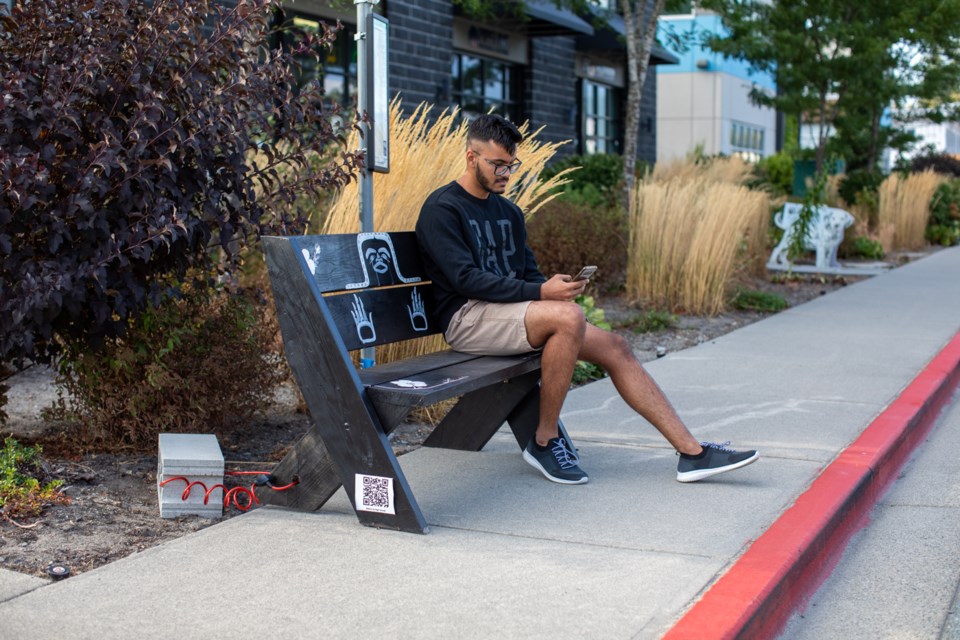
<point>703,102</point>
<point>549,67</point>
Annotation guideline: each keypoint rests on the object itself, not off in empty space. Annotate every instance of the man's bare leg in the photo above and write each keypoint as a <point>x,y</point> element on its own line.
<point>560,327</point>
<point>636,387</point>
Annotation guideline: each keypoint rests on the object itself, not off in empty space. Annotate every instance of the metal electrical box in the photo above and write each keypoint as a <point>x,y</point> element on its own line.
<point>198,460</point>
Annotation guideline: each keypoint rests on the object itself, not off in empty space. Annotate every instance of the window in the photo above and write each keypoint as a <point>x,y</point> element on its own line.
<point>337,69</point>
<point>746,141</point>
<point>600,118</point>
<point>481,84</point>
<point>953,140</point>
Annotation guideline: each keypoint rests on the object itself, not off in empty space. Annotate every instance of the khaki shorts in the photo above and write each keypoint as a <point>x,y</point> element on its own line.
<point>490,328</point>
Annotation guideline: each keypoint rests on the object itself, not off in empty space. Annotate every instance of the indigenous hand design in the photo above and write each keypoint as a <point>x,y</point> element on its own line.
<point>364,321</point>
<point>418,313</point>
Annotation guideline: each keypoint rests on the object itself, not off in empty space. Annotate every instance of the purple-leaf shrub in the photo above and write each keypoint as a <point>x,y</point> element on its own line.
<point>139,141</point>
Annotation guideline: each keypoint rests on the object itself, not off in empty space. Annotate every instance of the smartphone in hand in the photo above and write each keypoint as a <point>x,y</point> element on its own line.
<point>586,273</point>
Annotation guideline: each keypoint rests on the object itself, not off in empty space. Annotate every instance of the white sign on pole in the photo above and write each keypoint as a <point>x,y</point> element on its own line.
<point>378,142</point>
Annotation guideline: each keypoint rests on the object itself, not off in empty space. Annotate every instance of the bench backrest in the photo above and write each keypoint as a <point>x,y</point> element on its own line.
<point>373,284</point>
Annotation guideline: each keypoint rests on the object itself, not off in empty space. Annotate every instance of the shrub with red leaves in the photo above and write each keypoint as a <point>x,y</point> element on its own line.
<point>139,142</point>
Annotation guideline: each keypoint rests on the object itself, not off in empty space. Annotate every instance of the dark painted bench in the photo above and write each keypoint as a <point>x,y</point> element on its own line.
<point>338,293</point>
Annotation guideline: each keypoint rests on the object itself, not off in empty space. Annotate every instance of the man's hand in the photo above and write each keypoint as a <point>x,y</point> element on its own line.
<point>562,288</point>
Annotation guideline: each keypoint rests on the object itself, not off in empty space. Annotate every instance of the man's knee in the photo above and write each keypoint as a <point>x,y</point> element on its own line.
<point>570,316</point>
<point>545,319</point>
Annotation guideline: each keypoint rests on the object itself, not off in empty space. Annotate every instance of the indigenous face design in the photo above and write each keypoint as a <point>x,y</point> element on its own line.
<point>378,257</point>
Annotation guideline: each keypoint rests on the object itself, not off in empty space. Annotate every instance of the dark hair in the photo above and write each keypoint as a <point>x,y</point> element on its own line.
<point>496,129</point>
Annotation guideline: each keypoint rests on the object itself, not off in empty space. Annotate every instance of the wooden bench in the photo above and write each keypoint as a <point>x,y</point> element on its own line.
<point>824,235</point>
<point>338,293</point>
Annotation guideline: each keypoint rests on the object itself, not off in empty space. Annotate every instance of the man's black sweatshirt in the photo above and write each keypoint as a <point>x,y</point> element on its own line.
<point>475,249</point>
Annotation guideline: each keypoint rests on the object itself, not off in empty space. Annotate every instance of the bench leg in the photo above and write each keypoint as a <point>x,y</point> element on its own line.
<point>346,443</point>
<point>310,465</point>
<point>478,415</point>
<point>318,477</point>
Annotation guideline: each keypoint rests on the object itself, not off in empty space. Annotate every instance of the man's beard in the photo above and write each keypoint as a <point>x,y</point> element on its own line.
<point>488,185</point>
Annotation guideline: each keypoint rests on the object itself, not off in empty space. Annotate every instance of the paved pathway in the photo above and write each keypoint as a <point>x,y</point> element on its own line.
<point>511,555</point>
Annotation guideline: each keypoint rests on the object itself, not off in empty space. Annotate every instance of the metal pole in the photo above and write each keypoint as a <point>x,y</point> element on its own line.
<point>365,191</point>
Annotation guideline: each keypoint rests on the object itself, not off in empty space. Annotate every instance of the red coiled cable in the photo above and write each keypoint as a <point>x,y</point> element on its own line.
<point>229,495</point>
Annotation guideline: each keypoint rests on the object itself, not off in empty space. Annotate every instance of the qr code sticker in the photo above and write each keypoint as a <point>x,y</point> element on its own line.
<point>374,493</point>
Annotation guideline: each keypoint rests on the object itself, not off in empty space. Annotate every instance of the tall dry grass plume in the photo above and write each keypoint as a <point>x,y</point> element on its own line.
<point>732,170</point>
<point>692,229</point>
<point>904,205</point>
<point>425,156</point>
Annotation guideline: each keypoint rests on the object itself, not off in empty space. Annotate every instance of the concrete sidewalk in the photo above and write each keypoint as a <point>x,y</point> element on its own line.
<point>511,555</point>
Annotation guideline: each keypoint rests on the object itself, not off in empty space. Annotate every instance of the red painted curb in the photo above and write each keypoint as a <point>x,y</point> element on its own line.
<point>785,565</point>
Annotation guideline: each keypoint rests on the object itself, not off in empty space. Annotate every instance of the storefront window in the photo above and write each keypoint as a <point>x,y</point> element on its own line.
<point>337,67</point>
<point>481,84</point>
<point>600,118</point>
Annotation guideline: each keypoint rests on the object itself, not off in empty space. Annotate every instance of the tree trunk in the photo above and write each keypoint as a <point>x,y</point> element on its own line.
<point>641,32</point>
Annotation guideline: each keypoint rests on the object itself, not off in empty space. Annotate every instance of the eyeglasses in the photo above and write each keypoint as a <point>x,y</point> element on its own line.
<point>502,169</point>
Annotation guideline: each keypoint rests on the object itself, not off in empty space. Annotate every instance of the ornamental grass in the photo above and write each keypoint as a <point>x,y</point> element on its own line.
<point>693,229</point>
<point>426,154</point>
<point>904,205</point>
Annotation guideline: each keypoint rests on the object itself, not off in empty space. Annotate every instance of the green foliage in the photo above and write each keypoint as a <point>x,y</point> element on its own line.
<point>806,45</point>
<point>597,182</point>
<point>763,301</point>
<point>791,135</point>
<point>944,225</point>
<point>860,186</point>
<point>651,322</point>
<point>592,312</point>
<point>136,138</point>
<point>583,371</point>
<point>777,172</point>
<point>565,236</point>
<point>867,248</point>
<point>24,489</point>
<point>200,363</point>
<point>811,200</point>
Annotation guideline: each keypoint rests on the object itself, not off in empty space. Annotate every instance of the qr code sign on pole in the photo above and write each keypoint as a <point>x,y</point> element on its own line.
<point>374,493</point>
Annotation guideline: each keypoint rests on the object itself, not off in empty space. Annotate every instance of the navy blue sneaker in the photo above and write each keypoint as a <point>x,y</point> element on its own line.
<point>715,458</point>
<point>557,461</point>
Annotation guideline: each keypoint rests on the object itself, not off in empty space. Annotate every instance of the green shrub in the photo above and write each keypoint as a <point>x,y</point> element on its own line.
<point>777,172</point>
<point>860,185</point>
<point>651,322</point>
<point>193,364</point>
<point>24,487</point>
<point>943,227</point>
<point>584,371</point>
<point>866,248</point>
<point>565,236</point>
<point>943,235</point>
<point>753,300</point>
<point>596,183</point>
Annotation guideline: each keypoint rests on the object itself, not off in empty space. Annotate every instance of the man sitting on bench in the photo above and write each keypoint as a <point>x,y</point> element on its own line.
<point>491,299</point>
